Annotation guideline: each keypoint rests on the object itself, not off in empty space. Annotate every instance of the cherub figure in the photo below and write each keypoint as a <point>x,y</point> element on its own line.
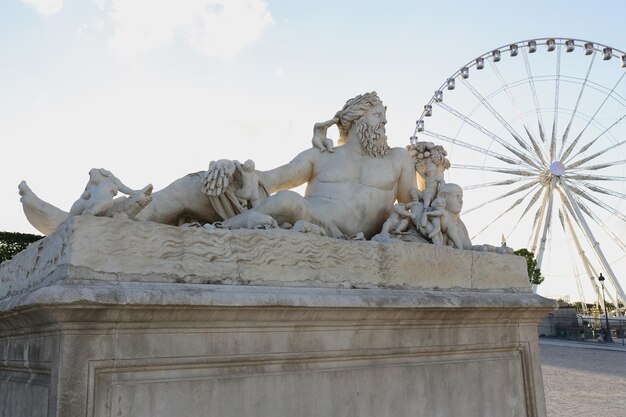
<point>97,199</point>
<point>416,207</point>
<point>433,179</point>
<point>432,219</point>
<point>249,191</point>
<point>398,220</point>
<point>320,141</point>
<point>442,227</point>
<point>430,164</point>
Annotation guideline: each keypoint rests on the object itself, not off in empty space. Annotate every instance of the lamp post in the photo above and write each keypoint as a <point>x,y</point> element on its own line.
<point>608,338</point>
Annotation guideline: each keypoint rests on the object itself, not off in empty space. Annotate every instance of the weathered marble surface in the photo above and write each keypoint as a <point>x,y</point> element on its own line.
<point>101,248</point>
<point>361,189</point>
<point>245,351</point>
<point>108,317</point>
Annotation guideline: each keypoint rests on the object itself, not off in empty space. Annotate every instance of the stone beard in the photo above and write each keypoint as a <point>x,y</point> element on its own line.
<point>373,138</point>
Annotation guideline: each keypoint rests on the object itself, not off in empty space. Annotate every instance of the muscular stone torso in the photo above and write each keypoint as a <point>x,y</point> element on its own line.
<point>357,191</point>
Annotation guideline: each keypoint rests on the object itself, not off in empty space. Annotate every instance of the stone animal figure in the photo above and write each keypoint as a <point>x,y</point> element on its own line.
<point>97,199</point>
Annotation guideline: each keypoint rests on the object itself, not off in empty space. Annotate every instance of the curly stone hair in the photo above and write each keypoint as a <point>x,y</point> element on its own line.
<point>353,110</point>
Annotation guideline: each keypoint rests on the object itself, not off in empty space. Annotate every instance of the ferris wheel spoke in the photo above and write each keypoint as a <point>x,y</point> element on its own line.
<point>567,188</point>
<point>598,221</point>
<point>588,177</point>
<point>580,94</point>
<point>602,190</point>
<point>599,166</point>
<point>592,118</point>
<point>482,100</point>
<point>618,241</point>
<point>473,148</point>
<point>515,204</point>
<point>507,194</point>
<point>572,256</point>
<point>496,169</point>
<point>535,145</point>
<point>538,220</point>
<point>514,103</point>
<point>531,82</point>
<point>524,157</point>
<point>588,145</point>
<point>591,273</point>
<point>547,222</point>
<point>571,147</point>
<point>495,183</point>
<point>531,203</point>
<point>587,196</point>
<point>556,104</point>
<point>587,159</point>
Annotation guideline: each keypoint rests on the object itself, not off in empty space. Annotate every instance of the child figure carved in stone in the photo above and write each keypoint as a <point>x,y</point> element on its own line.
<point>248,194</point>
<point>398,220</point>
<point>433,179</point>
<point>320,141</point>
<point>416,207</point>
<point>441,227</point>
<point>432,220</point>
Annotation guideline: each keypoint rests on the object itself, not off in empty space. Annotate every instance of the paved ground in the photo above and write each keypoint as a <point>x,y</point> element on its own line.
<point>584,379</point>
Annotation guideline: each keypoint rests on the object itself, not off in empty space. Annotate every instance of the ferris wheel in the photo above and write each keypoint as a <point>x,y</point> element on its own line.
<point>536,133</point>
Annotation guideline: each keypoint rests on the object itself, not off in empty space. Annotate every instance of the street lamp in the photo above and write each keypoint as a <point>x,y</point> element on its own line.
<point>608,338</point>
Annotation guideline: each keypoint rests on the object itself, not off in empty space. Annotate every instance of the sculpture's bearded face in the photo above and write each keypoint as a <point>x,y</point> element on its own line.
<point>370,130</point>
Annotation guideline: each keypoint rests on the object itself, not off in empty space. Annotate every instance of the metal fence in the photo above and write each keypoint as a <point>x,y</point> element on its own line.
<point>583,328</point>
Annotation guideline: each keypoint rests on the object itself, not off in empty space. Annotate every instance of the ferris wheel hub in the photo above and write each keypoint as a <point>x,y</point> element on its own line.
<point>557,168</point>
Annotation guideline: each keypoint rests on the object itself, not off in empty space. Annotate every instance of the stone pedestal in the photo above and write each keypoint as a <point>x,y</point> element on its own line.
<point>113,318</point>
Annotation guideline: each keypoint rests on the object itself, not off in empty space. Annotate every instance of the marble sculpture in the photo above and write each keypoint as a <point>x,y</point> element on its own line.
<point>360,189</point>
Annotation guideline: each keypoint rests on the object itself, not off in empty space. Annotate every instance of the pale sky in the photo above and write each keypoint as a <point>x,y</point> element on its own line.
<point>152,90</point>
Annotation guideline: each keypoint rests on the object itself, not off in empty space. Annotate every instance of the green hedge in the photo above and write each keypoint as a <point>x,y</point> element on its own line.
<point>12,243</point>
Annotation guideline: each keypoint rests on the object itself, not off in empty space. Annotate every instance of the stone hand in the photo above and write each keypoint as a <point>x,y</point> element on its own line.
<point>218,177</point>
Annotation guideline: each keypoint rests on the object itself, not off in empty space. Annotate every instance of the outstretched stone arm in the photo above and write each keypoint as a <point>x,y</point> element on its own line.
<point>293,174</point>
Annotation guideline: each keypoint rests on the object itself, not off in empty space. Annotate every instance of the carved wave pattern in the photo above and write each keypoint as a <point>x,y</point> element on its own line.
<point>149,249</point>
<point>290,249</point>
<point>169,243</point>
<point>244,248</point>
<point>160,252</point>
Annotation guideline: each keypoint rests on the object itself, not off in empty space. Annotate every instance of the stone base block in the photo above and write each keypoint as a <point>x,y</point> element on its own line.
<point>84,339</point>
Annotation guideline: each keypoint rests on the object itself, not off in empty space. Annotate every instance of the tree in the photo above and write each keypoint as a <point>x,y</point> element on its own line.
<point>12,243</point>
<point>534,273</point>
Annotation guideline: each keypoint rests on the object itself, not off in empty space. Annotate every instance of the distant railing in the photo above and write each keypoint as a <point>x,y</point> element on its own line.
<point>583,328</point>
